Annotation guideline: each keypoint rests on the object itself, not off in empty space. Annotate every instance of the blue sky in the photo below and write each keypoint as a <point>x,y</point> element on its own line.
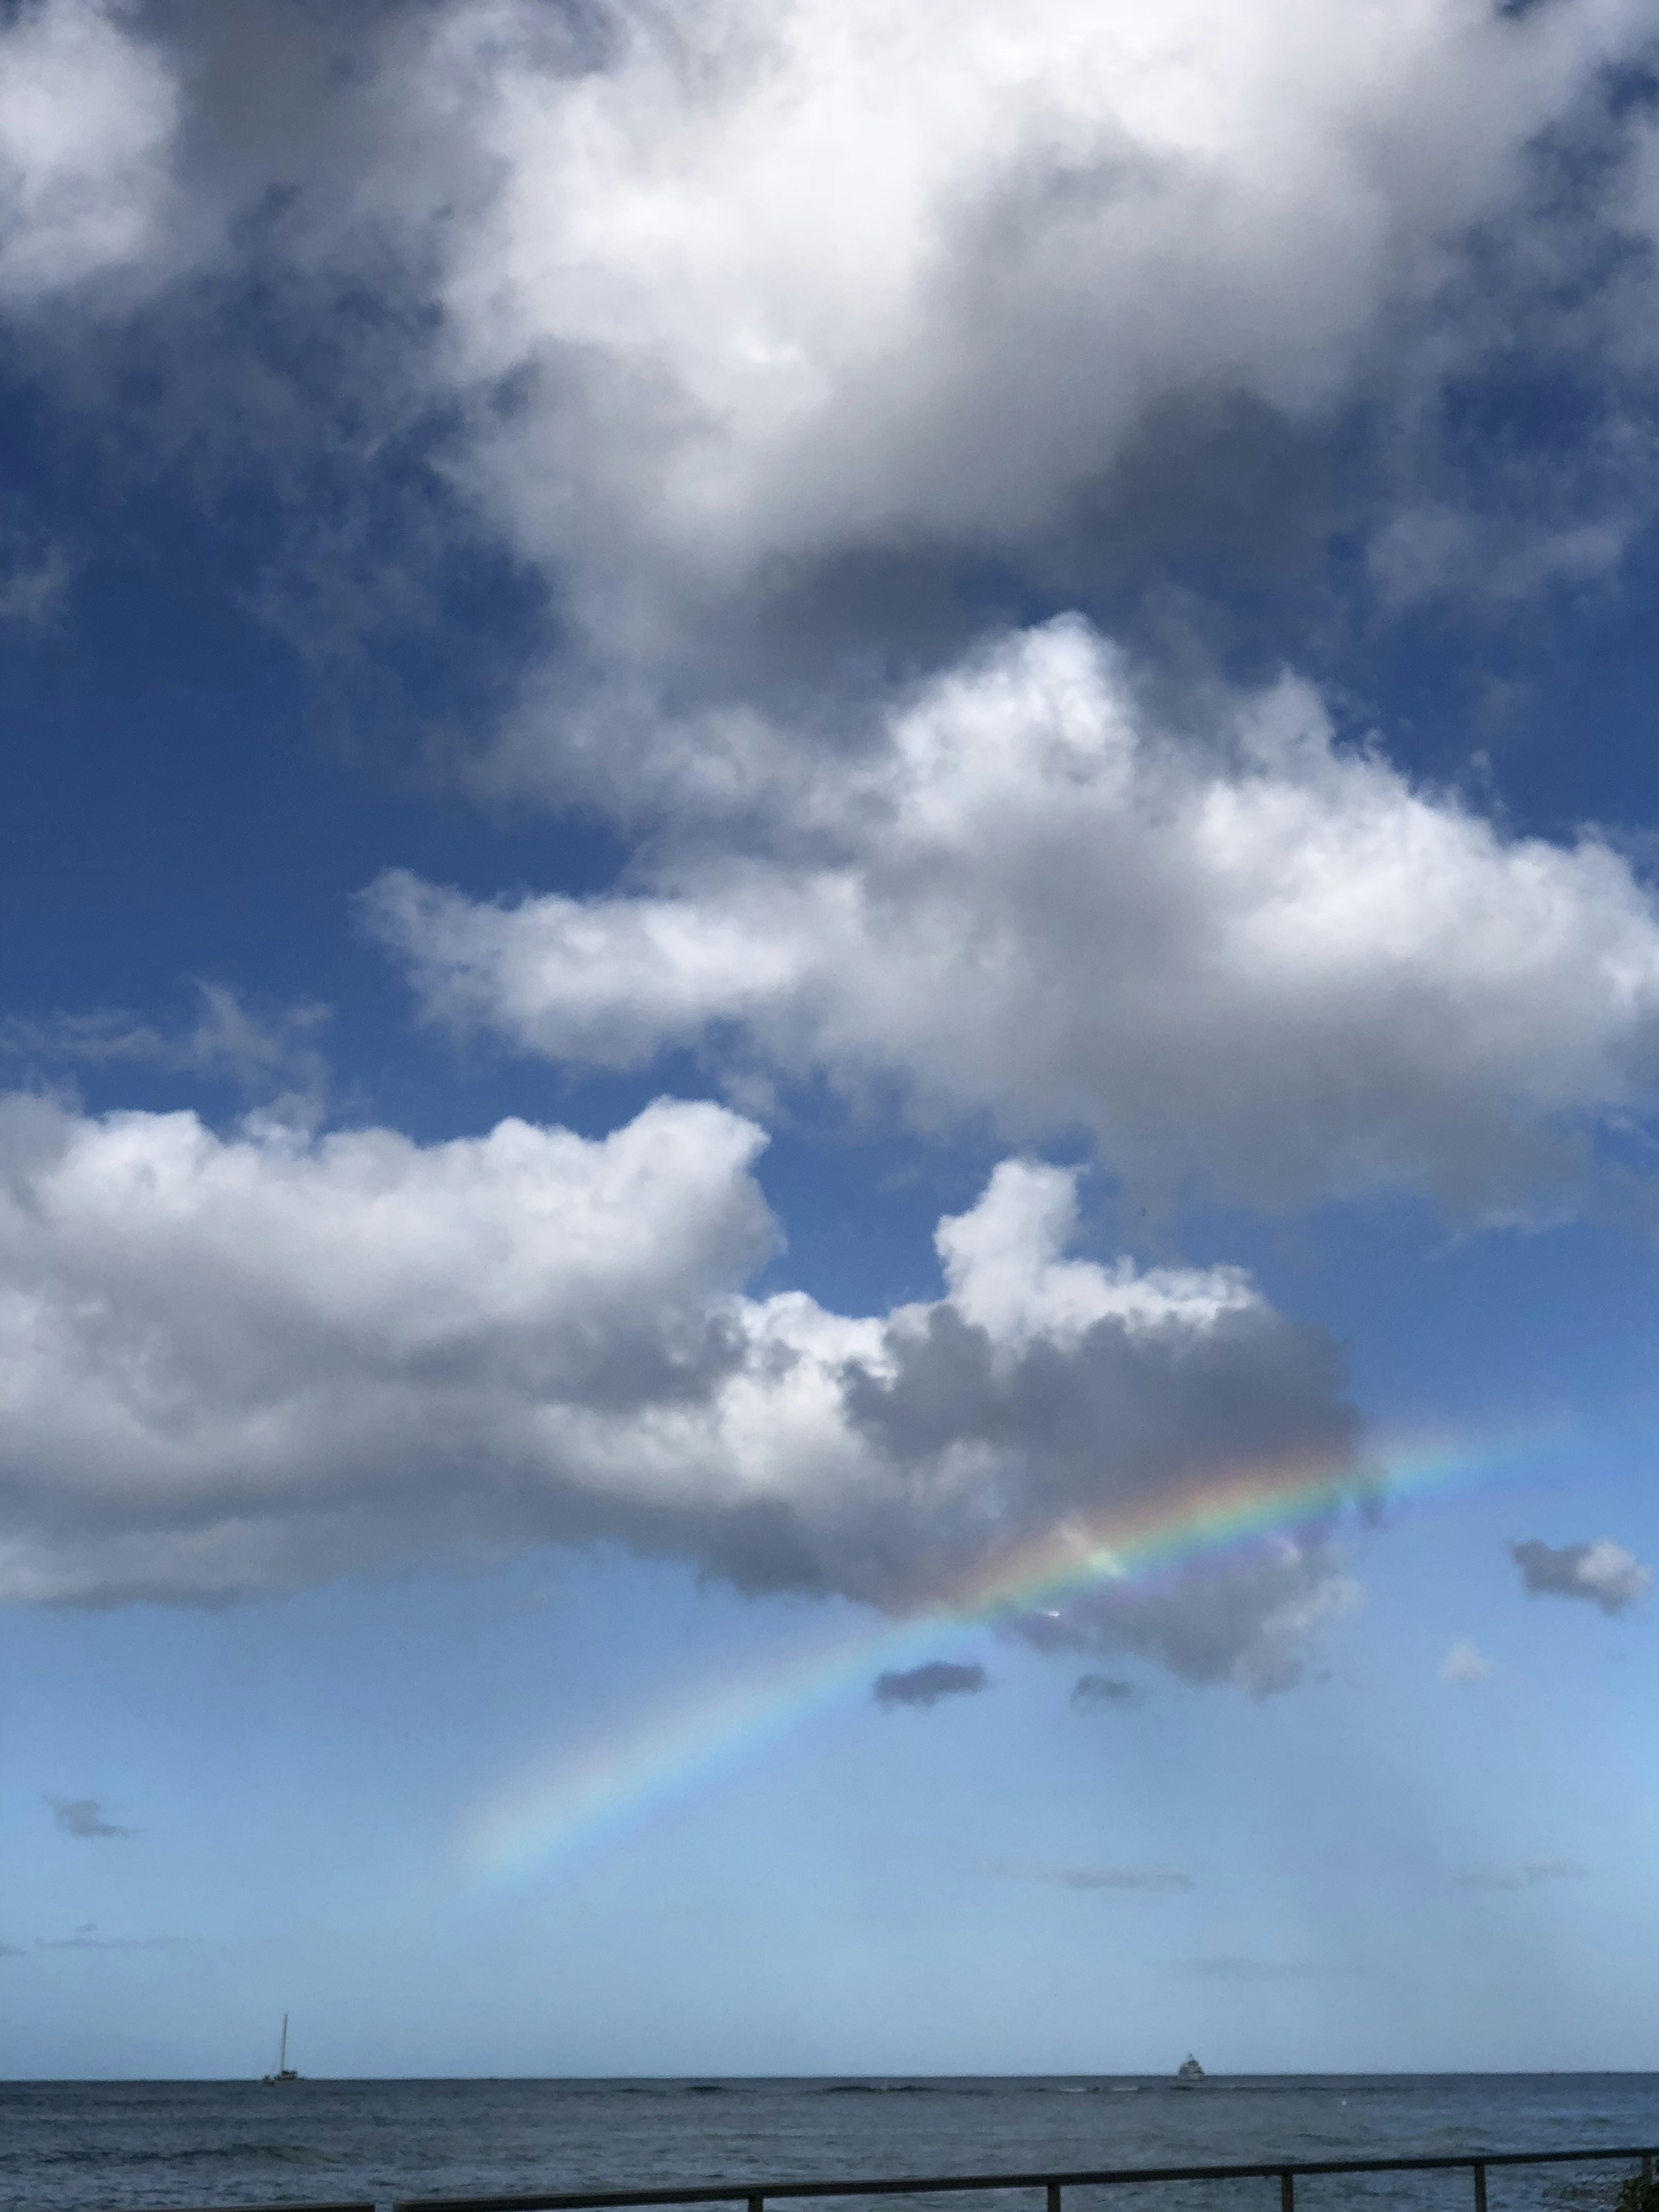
<point>801,803</point>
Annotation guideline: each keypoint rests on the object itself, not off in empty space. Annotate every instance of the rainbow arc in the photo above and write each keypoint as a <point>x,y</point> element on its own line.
<point>584,1795</point>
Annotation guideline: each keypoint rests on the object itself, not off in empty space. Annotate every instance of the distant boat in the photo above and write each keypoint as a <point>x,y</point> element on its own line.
<point>285,2071</point>
<point>1190,2071</point>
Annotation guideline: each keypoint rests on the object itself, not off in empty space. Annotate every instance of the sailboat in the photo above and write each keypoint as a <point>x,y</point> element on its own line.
<point>285,2071</point>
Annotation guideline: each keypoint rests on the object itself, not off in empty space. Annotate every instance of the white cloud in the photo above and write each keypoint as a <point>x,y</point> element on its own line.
<point>769,281</point>
<point>712,299</point>
<point>89,111</point>
<point>236,1363</point>
<point>1464,1664</point>
<point>1603,1573</point>
<point>1264,957</point>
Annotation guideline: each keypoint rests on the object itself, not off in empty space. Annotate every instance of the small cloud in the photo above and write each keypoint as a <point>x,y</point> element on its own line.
<point>1257,1970</point>
<point>1059,1876</point>
<point>927,1685</point>
<point>84,1816</point>
<point>1090,1690</point>
<point>86,1938</point>
<point>12,1951</point>
<point>34,579</point>
<point>1603,1573</point>
<point>1527,1875</point>
<point>1464,1664</point>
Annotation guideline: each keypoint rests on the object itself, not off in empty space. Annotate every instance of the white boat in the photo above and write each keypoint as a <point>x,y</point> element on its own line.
<point>1190,2071</point>
<point>285,2071</point>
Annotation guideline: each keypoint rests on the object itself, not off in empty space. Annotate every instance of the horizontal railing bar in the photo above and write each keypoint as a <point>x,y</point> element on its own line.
<point>362,2205</point>
<point>934,2184</point>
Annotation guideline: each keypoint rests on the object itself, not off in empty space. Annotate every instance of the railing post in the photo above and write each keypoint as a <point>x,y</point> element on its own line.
<point>1647,2166</point>
<point>1286,2193</point>
<point>756,2204</point>
<point>1053,2196</point>
<point>1480,2187</point>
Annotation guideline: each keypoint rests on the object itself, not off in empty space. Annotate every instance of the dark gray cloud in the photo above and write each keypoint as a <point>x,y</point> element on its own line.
<point>85,1816</point>
<point>1102,1690</point>
<point>1248,1619</point>
<point>1603,1573</point>
<point>1527,1874</point>
<point>927,1684</point>
<point>1061,1875</point>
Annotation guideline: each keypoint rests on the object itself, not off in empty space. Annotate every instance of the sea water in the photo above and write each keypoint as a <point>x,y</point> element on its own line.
<point>81,2145</point>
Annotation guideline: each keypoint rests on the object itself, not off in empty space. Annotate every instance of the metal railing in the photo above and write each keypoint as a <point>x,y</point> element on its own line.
<point>755,2195</point>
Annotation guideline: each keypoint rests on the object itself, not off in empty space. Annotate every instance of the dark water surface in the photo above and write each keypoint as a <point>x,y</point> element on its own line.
<point>76,2144</point>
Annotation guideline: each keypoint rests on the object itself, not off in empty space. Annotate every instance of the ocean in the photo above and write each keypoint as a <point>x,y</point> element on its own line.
<point>72,2146</point>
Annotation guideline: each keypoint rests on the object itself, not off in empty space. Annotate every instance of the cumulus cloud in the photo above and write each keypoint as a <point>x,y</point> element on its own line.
<point>1527,1875</point>
<point>85,1816</point>
<point>721,302</point>
<point>927,1684</point>
<point>90,112</point>
<point>1465,1663</point>
<point>1095,1690</point>
<point>240,1363</point>
<point>771,284</point>
<point>1268,958</point>
<point>1603,1573</point>
<point>1058,1875</point>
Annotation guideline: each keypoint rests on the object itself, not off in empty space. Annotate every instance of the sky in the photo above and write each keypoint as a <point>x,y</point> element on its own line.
<point>831,1036</point>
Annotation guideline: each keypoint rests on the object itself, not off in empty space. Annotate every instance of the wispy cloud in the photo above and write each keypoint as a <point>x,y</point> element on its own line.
<point>1235,1969</point>
<point>271,1057</point>
<point>1603,1573</point>
<point>1464,1662</point>
<point>1058,1876</point>
<point>1527,1874</point>
<point>85,1816</point>
<point>86,1938</point>
<point>34,579</point>
<point>927,1684</point>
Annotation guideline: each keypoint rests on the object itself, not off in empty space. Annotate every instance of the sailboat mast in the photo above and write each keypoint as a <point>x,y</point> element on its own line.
<point>282,2055</point>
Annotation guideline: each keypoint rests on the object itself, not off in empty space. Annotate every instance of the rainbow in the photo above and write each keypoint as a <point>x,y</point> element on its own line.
<point>596,1791</point>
